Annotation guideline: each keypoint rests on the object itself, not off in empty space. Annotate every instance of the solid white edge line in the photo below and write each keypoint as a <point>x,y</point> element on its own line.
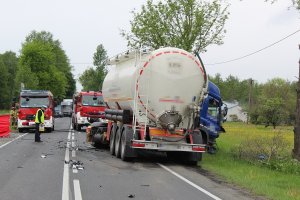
<point>65,185</point>
<point>77,190</point>
<point>3,145</point>
<point>190,182</point>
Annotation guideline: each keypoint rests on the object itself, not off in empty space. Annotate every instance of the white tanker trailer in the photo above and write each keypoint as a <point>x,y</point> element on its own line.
<point>152,100</point>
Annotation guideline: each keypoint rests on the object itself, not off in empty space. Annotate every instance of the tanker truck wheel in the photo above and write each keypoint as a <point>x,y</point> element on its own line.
<point>127,153</point>
<point>117,142</point>
<point>192,158</point>
<point>78,127</point>
<point>112,139</point>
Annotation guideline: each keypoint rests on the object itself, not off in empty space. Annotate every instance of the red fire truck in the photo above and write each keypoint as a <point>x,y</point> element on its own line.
<point>88,107</point>
<point>29,102</point>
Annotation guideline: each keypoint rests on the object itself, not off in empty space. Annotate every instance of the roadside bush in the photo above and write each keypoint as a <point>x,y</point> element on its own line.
<point>272,152</point>
<point>287,165</point>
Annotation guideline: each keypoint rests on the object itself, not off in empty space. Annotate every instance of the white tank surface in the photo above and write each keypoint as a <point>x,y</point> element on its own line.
<point>169,79</point>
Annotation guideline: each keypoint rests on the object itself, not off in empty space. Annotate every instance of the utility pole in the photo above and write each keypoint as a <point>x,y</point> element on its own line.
<point>249,99</point>
<point>296,150</point>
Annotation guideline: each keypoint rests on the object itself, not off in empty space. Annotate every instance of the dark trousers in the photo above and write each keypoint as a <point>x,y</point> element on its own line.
<point>37,132</point>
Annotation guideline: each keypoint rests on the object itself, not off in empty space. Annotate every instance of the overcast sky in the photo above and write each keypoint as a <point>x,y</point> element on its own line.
<point>82,25</point>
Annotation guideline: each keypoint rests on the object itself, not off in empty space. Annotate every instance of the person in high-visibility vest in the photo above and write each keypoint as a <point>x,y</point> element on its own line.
<point>39,119</point>
<point>13,117</point>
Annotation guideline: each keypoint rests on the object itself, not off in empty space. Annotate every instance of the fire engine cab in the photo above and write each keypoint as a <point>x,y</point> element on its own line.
<point>29,102</point>
<point>88,107</point>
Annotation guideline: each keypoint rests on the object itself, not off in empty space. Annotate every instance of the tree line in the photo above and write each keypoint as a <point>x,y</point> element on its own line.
<point>271,103</point>
<point>41,65</point>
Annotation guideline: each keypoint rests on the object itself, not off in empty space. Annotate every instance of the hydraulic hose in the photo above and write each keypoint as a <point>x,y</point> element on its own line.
<point>205,75</point>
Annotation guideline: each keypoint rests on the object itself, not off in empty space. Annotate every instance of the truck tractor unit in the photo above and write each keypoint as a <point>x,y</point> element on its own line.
<point>29,102</point>
<point>212,115</point>
<point>88,107</point>
<point>152,100</point>
<point>66,107</point>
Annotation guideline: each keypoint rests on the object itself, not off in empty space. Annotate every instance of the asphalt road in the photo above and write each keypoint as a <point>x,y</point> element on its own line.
<point>64,167</point>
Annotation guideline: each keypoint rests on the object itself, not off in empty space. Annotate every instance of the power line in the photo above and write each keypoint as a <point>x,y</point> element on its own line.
<point>255,52</point>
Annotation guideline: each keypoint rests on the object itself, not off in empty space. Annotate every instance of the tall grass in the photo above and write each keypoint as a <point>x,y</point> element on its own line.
<point>258,177</point>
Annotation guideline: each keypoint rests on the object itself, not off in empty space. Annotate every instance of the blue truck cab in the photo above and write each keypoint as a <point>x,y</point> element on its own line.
<point>212,115</point>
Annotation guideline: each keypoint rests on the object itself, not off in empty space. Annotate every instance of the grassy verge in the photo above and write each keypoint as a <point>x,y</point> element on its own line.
<point>256,178</point>
<point>4,112</point>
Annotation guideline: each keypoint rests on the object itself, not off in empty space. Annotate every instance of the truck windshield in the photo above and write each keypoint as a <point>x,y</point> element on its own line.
<point>33,102</point>
<point>92,101</point>
<point>213,108</point>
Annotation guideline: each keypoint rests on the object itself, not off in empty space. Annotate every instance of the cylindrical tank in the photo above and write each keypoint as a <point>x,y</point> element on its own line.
<point>167,81</point>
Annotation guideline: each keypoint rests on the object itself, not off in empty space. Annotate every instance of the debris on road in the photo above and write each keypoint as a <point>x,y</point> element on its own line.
<point>43,156</point>
<point>75,164</point>
<point>131,196</point>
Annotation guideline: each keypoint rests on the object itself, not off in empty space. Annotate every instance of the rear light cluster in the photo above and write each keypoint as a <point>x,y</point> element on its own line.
<point>25,123</point>
<point>138,144</point>
<point>198,148</point>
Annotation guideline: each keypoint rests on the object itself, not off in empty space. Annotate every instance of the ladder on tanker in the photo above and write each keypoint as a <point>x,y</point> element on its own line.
<point>141,101</point>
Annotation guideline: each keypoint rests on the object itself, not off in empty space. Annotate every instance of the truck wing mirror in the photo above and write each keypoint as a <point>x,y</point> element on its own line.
<point>225,110</point>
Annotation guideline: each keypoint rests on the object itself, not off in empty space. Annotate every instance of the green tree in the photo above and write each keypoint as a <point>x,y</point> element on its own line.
<point>10,60</point>
<point>277,102</point>
<point>61,60</point>
<point>272,111</point>
<point>71,84</point>
<point>45,65</point>
<point>232,88</point>
<point>186,24</point>
<point>92,79</point>
<point>89,80</point>
<point>295,3</point>
<point>4,89</point>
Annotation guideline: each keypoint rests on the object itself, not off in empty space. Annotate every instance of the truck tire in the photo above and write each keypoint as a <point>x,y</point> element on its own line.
<point>78,127</point>
<point>192,158</point>
<point>127,153</point>
<point>21,130</point>
<point>112,139</point>
<point>117,142</point>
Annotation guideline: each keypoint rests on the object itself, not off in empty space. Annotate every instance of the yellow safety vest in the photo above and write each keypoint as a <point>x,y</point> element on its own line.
<point>36,117</point>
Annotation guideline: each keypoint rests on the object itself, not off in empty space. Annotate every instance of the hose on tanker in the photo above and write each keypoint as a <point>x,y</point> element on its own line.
<point>205,78</point>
